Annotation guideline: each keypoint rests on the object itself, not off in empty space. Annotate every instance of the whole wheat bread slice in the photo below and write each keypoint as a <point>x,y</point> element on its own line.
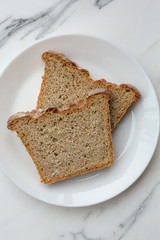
<point>64,83</point>
<point>65,143</point>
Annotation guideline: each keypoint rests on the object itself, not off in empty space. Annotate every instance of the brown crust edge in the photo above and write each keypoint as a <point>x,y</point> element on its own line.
<point>136,98</point>
<point>111,86</point>
<point>35,114</point>
<point>114,86</point>
<point>68,62</point>
<point>102,83</point>
<point>53,180</point>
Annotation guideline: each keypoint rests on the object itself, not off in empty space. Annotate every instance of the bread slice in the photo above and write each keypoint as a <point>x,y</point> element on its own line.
<point>65,143</point>
<point>64,83</point>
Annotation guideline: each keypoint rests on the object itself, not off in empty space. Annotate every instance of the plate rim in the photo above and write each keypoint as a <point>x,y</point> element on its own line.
<point>156,103</point>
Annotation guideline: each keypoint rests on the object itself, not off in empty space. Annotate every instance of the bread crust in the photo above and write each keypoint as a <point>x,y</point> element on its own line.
<point>102,83</point>
<point>38,113</point>
<point>110,86</point>
<point>56,179</point>
<point>69,63</point>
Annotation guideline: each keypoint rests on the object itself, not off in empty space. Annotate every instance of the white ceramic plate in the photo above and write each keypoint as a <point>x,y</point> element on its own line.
<point>135,137</point>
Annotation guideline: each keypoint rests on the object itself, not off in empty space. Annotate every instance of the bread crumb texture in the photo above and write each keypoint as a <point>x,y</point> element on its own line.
<point>64,84</point>
<point>66,143</point>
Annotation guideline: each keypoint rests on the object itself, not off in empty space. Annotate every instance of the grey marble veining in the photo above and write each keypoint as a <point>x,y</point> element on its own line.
<point>3,21</point>
<point>78,235</point>
<point>129,222</point>
<point>101,3</point>
<point>44,21</point>
<point>134,26</point>
<point>120,231</point>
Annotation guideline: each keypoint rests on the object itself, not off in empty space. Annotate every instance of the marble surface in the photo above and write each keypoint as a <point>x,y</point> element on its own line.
<point>132,25</point>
